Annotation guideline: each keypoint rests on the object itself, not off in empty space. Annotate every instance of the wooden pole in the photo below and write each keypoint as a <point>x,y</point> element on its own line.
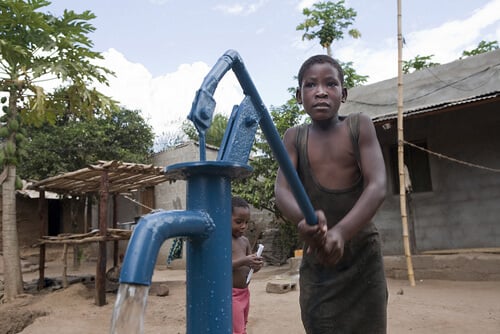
<point>74,229</point>
<point>100,278</point>
<point>88,213</point>
<point>401,163</point>
<point>42,215</point>
<point>115,226</point>
<point>65,266</point>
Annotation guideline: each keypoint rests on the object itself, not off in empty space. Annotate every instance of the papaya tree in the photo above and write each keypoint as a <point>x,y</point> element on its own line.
<point>36,46</point>
<point>326,22</point>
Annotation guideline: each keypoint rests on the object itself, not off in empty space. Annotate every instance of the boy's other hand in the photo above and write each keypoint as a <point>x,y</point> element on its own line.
<point>314,235</point>
<point>333,248</point>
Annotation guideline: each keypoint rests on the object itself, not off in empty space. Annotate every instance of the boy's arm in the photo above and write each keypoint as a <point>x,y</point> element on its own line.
<point>246,258</point>
<point>285,201</point>
<point>239,262</point>
<point>240,252</point>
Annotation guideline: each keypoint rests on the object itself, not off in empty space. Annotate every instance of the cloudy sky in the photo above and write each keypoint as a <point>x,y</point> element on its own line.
<point>161,50</point>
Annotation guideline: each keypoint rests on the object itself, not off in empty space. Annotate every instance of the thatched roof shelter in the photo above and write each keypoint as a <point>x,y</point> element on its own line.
<point>102,179</point>
<point>122,177</point>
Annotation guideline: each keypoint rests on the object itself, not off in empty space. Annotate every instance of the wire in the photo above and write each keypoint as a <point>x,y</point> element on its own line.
<point>452,159</point>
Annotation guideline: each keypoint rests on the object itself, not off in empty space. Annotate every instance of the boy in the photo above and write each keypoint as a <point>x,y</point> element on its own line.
<point>339,161</point>
<point>243,261</point>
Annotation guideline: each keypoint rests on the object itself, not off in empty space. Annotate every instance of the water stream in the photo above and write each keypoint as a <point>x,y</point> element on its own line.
<point>128,314</point>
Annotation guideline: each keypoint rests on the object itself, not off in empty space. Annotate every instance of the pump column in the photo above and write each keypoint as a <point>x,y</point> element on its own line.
<point>209,260</point>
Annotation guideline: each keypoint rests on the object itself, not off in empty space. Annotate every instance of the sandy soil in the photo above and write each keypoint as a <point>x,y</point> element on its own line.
<point>444,307</point>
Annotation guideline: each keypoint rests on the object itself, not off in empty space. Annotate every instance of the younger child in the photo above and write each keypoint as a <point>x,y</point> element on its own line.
<point>243,261</point>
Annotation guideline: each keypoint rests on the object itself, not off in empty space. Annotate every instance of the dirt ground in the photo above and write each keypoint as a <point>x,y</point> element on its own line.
<point>432,306</point>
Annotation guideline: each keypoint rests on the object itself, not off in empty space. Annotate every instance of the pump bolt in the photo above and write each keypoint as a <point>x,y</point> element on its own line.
<point>250,121</point>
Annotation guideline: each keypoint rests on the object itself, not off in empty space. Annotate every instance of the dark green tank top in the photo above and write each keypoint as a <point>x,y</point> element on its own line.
<point>335,203</point>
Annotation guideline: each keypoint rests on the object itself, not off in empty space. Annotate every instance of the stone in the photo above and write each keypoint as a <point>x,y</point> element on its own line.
<point>280,286</point>
<point>162,290</point>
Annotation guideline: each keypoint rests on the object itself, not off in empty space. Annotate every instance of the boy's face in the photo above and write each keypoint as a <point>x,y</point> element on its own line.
<point>321,91</point>
<point>239,221</point>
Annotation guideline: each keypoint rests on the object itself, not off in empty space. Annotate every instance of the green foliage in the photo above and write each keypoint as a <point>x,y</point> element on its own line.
<point>18,183</point>
<point>72,143</point>
<point>418,63</point>
<point>214,134</point>
<point>35,44</point>
<point>327,21</point>
<point>351,78</point>
<point>482,47</point>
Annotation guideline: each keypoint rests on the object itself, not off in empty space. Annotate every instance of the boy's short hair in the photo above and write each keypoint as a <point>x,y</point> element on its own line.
<point>238,202</point>
<point>320,59</point>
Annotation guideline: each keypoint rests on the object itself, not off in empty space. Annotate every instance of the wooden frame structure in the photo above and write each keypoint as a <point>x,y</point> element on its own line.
<point>102,179</point>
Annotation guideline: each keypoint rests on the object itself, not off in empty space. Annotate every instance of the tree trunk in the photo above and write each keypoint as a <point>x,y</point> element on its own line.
<point>10,244</point>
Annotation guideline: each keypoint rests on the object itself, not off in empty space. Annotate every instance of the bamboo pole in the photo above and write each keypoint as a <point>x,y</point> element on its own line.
<point>401,163</point>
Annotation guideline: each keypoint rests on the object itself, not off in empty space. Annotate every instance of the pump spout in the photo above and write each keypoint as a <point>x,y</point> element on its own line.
<point>151,231</point>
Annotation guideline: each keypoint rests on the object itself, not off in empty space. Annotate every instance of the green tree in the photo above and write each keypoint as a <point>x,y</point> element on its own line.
<point>33,45</point>
<point>351,77</point>
<point>327,22</point>
<point>482,47</point>
<point>74,143</point>
<point>417,63</point>
<point>215,132</point>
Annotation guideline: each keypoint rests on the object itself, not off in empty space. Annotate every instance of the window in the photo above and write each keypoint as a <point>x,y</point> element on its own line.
<point>417,162</point>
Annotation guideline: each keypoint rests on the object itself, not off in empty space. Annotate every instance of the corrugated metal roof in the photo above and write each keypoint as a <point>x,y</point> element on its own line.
<point>436,107</point>
<point>462,81</point>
